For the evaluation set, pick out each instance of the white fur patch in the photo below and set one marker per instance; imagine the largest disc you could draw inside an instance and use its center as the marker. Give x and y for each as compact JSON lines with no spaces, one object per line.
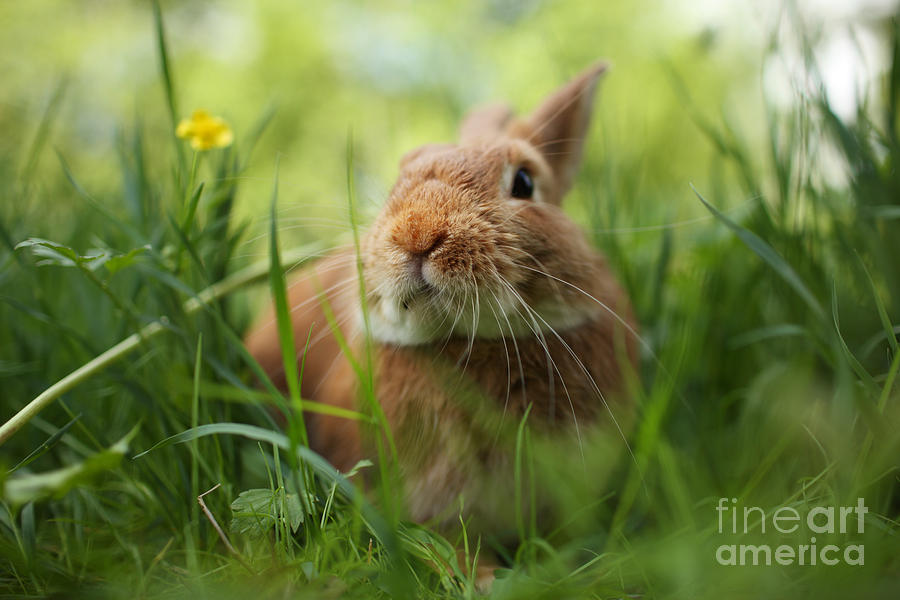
{"x":391,"y":324}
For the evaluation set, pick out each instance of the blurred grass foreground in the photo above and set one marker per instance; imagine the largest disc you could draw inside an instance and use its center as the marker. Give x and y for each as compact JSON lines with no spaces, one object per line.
{"x":741,"y":176}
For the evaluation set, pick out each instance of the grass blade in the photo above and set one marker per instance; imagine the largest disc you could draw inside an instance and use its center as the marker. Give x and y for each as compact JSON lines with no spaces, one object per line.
{"x":51,"y":441}
{"x":283,"y":317}
{"x":769,"y":255}
{"x":857,"y":367}
{"x":165,"y":69}
{"x":222,"y":288}
{"x":882,"y":311}
{"x":33,"y":154}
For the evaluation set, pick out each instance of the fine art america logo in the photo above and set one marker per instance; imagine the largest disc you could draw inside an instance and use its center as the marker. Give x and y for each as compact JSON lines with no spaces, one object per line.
{"x":820,"y":520}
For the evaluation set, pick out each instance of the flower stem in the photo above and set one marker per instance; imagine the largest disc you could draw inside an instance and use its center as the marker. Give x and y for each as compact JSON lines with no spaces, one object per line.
{"x":189,"y":207}
{"x":190,"y":198}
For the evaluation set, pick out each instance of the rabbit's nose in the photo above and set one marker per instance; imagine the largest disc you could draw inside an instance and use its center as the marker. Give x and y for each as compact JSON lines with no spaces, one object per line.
{"x":418,"y":237}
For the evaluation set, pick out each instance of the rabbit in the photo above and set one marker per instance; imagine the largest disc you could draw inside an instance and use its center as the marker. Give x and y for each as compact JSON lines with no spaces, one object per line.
{"x":483,"y":300}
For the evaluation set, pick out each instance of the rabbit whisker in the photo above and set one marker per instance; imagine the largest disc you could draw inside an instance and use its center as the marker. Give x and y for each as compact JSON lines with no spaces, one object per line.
{"x":535,"y":328}
{"x":535,"y":315}
{"x":594,"y":386}
{"x":604,"y":306}
{"x":508,"y":364}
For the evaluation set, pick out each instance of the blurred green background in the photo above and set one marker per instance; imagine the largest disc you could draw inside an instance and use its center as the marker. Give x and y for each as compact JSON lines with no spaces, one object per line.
{"x":396,"y":74}
{"x":770,"y":329}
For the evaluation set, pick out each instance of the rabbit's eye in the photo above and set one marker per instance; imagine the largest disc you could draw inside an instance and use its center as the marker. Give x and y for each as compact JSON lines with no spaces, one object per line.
{"x":523,"y":185}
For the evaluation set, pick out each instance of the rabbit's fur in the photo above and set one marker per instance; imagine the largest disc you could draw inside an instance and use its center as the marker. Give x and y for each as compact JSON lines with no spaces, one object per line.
{"x":479,"y":305}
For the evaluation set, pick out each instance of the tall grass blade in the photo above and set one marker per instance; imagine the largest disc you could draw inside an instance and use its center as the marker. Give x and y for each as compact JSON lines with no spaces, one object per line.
{"x":33,"y":154}
{"x":283,"y":316}
{"x":51,"y":441}
{"x":882,"y":310}
{"x":164,"y":67}
{"x":769,"y":255}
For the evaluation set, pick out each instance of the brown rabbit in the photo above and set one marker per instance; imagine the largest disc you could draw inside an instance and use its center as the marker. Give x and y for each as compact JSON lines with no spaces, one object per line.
{"x":483,"y":298}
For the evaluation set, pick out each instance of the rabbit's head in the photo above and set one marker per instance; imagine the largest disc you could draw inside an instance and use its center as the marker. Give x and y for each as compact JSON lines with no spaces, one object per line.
{"x":472,"y":241}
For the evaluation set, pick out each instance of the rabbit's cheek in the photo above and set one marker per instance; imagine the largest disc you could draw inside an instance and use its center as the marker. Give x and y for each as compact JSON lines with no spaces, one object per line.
{"x":448,"y":269}
{"x":466,"y":256}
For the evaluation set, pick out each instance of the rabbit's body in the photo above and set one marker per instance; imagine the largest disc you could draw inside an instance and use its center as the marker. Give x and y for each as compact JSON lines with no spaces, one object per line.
{"x":482,"y":299}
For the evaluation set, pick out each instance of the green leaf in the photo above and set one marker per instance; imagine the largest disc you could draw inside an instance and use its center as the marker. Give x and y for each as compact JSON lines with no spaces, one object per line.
{"x":294,"y":510}
{"x":253,"y":512}
{"x":60,"y":255}
{"x":21,"y":489}
{"x":321,"y":467}
{"x":362,"y":464}
{"x":53,"y":253}
{"x":256,"y":511}
{"x":114,"y":264}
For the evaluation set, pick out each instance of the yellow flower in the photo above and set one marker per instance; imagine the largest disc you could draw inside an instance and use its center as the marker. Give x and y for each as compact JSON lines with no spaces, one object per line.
{"x":205,"y":131}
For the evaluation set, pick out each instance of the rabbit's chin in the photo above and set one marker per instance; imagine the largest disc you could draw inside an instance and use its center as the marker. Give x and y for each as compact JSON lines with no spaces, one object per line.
{"x":422,"y":321}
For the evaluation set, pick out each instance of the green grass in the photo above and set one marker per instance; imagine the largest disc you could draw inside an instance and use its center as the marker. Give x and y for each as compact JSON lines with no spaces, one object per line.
{"x":769,"y":376}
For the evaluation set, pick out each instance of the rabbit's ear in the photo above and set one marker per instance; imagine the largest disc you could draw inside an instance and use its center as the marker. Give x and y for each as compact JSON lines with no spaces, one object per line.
{"x":558,"y":126}
{"x":484,"y":123}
